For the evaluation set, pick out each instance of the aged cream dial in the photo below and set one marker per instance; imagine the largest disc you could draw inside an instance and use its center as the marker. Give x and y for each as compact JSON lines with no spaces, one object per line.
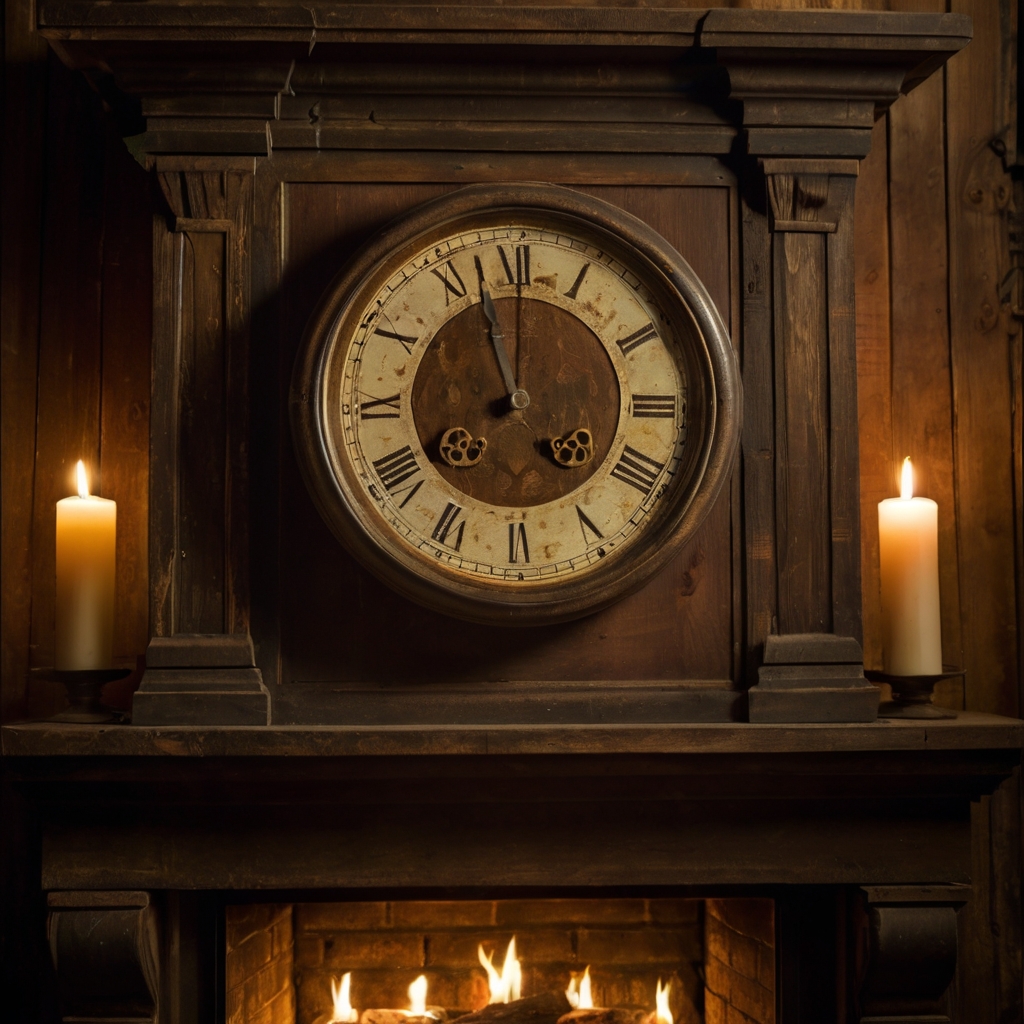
{"x":495,"y":407}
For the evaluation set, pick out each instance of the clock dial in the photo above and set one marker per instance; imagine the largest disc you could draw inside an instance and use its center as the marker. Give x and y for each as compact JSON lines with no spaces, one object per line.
{"x":581,"y":337}
{"x":511,"y":412}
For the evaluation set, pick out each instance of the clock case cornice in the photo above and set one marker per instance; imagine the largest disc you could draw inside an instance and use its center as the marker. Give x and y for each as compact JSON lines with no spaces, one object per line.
{"x":255,"y":79}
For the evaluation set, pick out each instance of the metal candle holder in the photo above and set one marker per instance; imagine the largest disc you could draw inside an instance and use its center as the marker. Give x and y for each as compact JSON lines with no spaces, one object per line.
{"x":84,"y":687}
{"x":912,"y":695}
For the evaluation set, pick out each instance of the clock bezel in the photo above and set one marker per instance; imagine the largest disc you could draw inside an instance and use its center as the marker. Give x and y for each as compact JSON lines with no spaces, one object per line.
{"x":713,"y":393}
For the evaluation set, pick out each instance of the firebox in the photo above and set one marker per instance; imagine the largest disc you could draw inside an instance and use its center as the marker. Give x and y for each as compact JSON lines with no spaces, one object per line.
{"x":619,"y":960}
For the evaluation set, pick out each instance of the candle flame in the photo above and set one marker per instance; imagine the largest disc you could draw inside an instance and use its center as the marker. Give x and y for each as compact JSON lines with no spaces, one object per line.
{"x":343,"y":1012}
{"x":507,"y":986}
{"x":663,"y":1015}
{"x":907,"y":480}
{"x":83,"y":480}
{"x":580,"y":997}
{"x":418,"y":997}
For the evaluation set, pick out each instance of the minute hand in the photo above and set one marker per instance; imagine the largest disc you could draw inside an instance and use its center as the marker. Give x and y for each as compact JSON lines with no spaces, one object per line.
{"x":518,"y":398}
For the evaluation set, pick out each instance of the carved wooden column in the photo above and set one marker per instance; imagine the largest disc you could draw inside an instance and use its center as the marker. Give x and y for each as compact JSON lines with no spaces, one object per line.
{"x":809,"y":101}
{"x":104,"y":948}
{"x":200,"y":663}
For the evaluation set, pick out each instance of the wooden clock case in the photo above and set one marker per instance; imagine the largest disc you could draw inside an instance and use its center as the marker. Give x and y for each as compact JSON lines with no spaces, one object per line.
{"x":281,"y":147}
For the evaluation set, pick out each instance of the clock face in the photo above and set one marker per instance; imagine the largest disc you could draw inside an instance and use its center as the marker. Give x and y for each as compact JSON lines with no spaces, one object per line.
{"x":509,"y":413}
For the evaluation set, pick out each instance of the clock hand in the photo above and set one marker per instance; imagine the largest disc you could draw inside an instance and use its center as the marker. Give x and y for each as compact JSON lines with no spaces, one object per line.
{"x":518,"y":398}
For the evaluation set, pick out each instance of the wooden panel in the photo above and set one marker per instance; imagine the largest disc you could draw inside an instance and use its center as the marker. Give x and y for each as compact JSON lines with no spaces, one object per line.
{"x":338,"y":623}
{"x":922,"y":415}
{"x":844,"y":510}
{"x":758,"y":436}
{"x":801,"y":438}
{"x":979,"y":112}
{"x":201,"y":523}
{"x":874,"y":375}
{"x":124,"y":411}
{"x":70,"y":337}
{"x":21,"y":213}
{"x":979,"y":191}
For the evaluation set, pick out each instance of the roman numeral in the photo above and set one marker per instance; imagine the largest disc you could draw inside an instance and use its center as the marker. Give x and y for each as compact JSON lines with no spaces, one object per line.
{"x":637,"y":338}
{"x":445,"y":524}
{"x":405,"y":340}
{"x":517,"y":543}
{"x":396,"y":467}
{"x":571,"y":293}
{"x":456,"y":287}
{"x":637,"y":470}
{"x":522,"y":257}
{"x":386,"y":409}
{"x":586,"y":524}
{"x":654,"y":406}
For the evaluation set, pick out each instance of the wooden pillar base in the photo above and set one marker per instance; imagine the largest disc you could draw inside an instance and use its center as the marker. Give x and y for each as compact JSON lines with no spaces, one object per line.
{"x":201,"y":679}
{"x":812,"y":677}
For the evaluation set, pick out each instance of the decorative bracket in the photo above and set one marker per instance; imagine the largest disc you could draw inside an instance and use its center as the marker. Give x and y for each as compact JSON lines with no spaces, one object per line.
{"x":104,"y":947}
{"x":906,"y":952}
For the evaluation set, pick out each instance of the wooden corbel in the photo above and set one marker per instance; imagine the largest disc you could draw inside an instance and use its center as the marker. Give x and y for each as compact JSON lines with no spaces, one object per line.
{"x":104,"y":947}
{"x":905,"y":950}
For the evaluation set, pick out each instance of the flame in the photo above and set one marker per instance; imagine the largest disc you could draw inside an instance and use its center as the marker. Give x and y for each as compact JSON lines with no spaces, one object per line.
{"x":907,"y":479}
{"x":418,"y":997}
{"x":580,"y":998}
{"x":507,"y":986}
{"x":662,"y":1014}
{"x":343,"y":1012}
{"x":83,"y":480}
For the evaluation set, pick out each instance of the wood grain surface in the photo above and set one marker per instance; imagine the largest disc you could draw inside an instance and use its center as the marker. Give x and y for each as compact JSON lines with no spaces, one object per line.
{"x":678,"y":627}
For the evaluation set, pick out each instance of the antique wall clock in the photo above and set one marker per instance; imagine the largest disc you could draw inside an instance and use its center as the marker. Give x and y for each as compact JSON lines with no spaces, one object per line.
{"x":515,"y":404}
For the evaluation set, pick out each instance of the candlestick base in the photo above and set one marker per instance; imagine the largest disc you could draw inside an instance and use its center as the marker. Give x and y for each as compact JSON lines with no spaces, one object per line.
{"x":912,"y":695}
{"x":84,"y":687}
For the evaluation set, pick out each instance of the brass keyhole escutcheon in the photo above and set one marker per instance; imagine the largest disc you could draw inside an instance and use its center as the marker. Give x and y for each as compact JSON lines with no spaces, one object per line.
{"x":575,"y":450}
{"x":459,"y":449}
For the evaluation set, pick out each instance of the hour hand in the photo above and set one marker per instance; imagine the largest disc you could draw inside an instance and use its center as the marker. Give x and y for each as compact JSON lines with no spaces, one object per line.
{"x":518,"y":398}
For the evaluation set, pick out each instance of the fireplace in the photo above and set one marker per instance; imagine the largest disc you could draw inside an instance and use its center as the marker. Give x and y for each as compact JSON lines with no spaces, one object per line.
{"x":286,"y":963}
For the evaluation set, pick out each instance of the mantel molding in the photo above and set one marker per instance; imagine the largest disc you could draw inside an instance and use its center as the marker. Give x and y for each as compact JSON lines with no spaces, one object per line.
{"x":249,"y":79}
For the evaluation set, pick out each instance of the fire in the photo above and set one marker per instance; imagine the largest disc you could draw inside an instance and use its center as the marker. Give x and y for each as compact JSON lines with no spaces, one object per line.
{"x":662,"y":1014}
{"x":507,"y":986}
{"x":418,"y":997}
{"x":907,"y":479}
{"x":83,"y":480}
{"x":343,"y":1012}
{"x":580,"y":998}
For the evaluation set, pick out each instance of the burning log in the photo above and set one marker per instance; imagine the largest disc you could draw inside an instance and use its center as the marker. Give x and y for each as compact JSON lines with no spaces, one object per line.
{"x":433,"y":1015}
{"x":545,"y":1009}
{"x":605,"y":1016}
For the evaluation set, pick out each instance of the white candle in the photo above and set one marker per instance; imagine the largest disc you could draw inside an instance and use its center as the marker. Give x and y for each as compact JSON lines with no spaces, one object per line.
{"x":86,"y":535}
{"x":908,"y":541}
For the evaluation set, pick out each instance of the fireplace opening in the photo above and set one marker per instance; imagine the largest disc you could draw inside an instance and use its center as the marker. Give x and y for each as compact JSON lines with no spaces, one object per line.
{"x":506,"y":961}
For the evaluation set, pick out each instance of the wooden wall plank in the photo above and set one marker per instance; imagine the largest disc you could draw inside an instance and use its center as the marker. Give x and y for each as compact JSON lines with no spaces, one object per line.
{"x":981,"y":88}
{"x":21,"y":199}
{"x":70,"y":339}
{"x":978,"y":194}
{"x":922,"y":413}
{"x":124,"y":407}
{"x":874,"y":374}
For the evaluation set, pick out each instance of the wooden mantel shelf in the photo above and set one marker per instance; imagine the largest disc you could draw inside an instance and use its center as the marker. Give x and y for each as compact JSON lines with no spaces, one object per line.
{"x":970,"y":731}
